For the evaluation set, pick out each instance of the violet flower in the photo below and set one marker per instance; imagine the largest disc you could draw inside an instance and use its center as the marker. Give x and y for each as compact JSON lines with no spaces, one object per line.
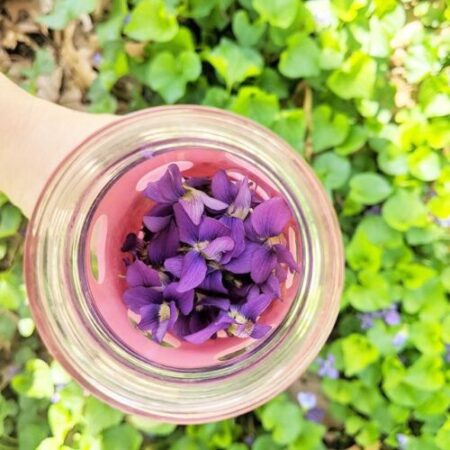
{"x":206,"y":242}
{"x":327,"y":368}
{"x":210,"y":258}
{"x":266,"y":249}
{"x":239,"y":321}
{"x":172,"y":189}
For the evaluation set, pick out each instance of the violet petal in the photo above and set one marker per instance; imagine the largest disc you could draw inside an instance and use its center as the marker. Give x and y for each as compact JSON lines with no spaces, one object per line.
{"x":220,"y":303}
{"x":137,"y":297}
{"x":168,"y":189}
{"x":164,"y":244}
{"x":149,"y":317}
{"x":222,"y":188}
{"x":188,"y":231}
{"x":243,"y":263}
{"x":260,"y":331}
{"x":184,"y":300}
{"x":264,"y":260}
{"x":212,"y":203}
{"x":206,"y":333}
{"x":158,"y":218}
{"x":211,"y":229}
{"x":139,"y":274}
{"x":193,"y":205}
{"x":193,"y":272}
{"x":241,"y":205}
{"x":174,"y":265}
{"x":217,"y":247}
{"x":255,"y":307}
{"x":285,"y":256}
{"x":270,"y":217}
{"x":213,"y":282}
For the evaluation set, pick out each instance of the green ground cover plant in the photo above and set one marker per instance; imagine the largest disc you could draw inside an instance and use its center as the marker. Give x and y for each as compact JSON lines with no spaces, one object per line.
{"x":361,"y":90}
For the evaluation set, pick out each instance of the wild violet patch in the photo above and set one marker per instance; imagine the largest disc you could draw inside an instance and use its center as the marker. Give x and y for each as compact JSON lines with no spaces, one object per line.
{"x":211,"y":257}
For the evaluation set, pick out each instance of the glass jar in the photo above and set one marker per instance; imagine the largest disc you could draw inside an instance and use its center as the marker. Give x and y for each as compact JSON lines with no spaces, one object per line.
{"x":74,"y":268}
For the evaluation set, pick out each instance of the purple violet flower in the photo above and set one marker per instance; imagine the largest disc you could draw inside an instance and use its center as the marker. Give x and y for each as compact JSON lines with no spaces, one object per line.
{"x":402,"y":440}
{"x":327,"y":368}
{"x":399,"y":339}
{"x":307,"y":400}
{"x":211,"y":257}
{"x":315,"y":415}
{"x":172,"y":189}
{"x":391,"y":316}
{"x":206,"y":242}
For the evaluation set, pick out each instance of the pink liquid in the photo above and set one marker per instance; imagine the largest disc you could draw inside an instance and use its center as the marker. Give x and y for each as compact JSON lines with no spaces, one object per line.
{"x":119,"y":212}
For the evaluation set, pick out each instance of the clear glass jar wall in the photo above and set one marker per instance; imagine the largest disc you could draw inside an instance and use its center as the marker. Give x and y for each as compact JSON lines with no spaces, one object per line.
{"x":73,"y":267}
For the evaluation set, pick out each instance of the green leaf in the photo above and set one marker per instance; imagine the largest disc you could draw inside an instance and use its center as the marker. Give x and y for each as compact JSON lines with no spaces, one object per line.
{"x":310,"y":438}
{"x":61,"y":421}
{"x":427,"y":337}
{"x":283,"y":419}
{"x":256,"y":104}
{"x":424,"y":164}
{"x":347,"y":10}
{"x":280,"y":13}
{"x":362,"y":254}
{"x":234,"y":63}
{"x":114,"y":64}
{"x":247,"y":33}
{"x":98,"y":416}
{"x":35,"y":381}
{"x":358,"y":353}
{"x":355,"y":140}
{"x":356,"y":77}
{"x":152,"y":20}
{"x":217,"y":435}
{"x":11,"y":296}
{"x":201,"y":8}
{"x":169,"y":75}
{"x":217,"y":97}
{"x":301,"y":58}
{"x":66,"y":10}
{"x":332,"y":169}
{"x":404,"y":210}
{"x":110,"y":29}
{"x":439,"y":206}
{"x":10,"y":220}
{"x":379,"y":232}
{"x":151,"y":427}
{"x":369,"y":188}
{"x":434,"y":96}
{"x":265,"y":442}
{"x":443,"y":436}
{"x":291,"y":126}
{"x":329,"y":129}
{"x":426,"y":373}
{"x":122,"y":437}
{"x":373,"y":295}
{"x":271,"y":81}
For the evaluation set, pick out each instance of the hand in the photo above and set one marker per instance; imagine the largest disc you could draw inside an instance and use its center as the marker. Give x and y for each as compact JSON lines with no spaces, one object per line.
{"x":35,"y":136}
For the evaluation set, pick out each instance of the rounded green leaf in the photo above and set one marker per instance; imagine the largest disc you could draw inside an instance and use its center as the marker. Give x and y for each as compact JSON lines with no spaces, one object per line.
{"x":234,"y":63}
{"x":424,"y":164}
{"x":301,"y":58}
{"x":169,"y":75}
{"x":369,"y":188}
{"x":247,"y":33}
{"x":332,"y":169}
{"x":358,"y":353}
{"x":404,"y":210}
{"x":256,"y":104}
{"x":279,"y":13}
{"x":329,"y":128}
{"x":356,"y":77}
{"x":152,"y":20}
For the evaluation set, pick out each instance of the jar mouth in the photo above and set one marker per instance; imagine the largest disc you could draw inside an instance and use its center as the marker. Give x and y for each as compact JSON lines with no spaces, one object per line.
{"x":55,"y":259}
{"x":102,"y":271}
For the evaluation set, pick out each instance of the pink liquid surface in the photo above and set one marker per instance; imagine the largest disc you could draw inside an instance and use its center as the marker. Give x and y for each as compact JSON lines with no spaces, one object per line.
{"x":119,"y":212}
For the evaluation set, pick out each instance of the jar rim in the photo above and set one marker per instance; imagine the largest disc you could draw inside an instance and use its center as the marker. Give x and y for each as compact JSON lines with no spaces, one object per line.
{"x":40,"y":255}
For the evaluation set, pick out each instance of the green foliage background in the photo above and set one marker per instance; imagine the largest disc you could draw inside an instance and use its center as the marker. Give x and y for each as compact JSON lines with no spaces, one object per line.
{"x":359,"y":88}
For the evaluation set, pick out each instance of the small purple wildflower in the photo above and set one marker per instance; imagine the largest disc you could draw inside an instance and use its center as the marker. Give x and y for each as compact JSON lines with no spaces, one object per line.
{"x":447,"y":353}
{"x":127,"y":19}
{"x":97,"y":58}
{"x":392,"y":316}
{"x":307,"y":400}
{"x":55,"y":398}
{"x":327,"y":368}
{"x":210,"y":258}
{"x":399,"y":339}
{"x":315,"y":415}
{"x":402,"y":440}
{"x":366,"y":320}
